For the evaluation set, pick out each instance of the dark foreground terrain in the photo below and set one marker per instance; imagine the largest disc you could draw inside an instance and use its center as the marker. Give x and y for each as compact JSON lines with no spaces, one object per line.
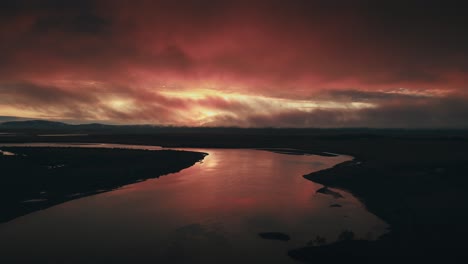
{"x":37,"y":178}
{"x":419,"y":189}
{"x":416,"y":181}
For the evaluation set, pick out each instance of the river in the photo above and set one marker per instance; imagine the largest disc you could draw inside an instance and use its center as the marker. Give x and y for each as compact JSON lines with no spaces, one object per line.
{"x":211,"y":212}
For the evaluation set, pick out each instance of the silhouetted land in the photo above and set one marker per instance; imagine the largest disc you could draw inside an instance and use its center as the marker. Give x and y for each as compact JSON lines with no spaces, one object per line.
{"x":415,"y":180}
{"x":419,"y":188}
{"x":37,"y":178}
{"x":275,"y":236}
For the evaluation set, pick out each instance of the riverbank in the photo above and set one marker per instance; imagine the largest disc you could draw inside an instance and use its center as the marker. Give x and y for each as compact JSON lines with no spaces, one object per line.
{"x":36,"y":178}
{"x":414,"y":180}
{"x":420,"y":192}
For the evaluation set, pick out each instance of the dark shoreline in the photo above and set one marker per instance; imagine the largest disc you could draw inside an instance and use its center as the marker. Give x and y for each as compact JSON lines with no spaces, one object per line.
{"x":39,"y":177}
{"x":413,"y":180}
{"x":427,"y":211}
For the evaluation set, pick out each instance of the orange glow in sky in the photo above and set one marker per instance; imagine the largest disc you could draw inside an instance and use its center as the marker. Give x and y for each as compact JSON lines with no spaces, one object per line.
{"x":235,"y":63}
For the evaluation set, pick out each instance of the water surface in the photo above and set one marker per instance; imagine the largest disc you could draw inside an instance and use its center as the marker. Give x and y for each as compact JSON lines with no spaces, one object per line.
{"x":211,"y":212}
{"x":6,"y":153}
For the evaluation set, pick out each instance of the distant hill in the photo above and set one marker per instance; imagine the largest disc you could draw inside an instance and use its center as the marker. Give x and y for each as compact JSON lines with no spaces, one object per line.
{"x":55,"y":126}
{"x":41,"y":124}
{"x":41,"y":127}
{"x":12,"y":118}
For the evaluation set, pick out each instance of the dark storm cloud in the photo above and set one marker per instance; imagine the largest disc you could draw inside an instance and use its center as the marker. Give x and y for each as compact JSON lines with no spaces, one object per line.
{"x":277,"y":49}
{"x":438,"y":113}
{"x":29,"y":93}
{"x":391,"y":110}
{"x":374,"y":41}
{"x":429,"y":113}
{"x":81,"y":23}
{"x":15,"y":7}
{"x":373,"y":96}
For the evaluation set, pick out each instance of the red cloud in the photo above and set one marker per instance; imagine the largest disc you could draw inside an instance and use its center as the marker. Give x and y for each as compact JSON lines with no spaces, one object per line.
{"x":88,"y":52}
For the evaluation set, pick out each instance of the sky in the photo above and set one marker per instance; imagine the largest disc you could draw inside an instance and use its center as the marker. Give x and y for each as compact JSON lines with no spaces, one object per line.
{"x":256,"y":63}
